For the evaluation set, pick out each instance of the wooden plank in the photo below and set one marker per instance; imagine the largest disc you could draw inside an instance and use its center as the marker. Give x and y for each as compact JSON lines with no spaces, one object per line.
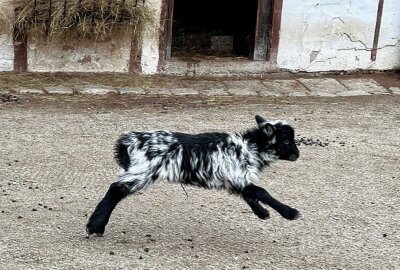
{"x":168,"y":29}
{"x":262,"y":30}
{"x":377,"y":30}
{"x":20,"y":43}
{"x":162,"y":36}
{"x":275,"y":33}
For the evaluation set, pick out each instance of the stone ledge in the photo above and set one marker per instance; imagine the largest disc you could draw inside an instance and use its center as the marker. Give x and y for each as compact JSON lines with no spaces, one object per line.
{"x":61,"y":90}
{"x":95,"y":90}
{"x":29,"y":91}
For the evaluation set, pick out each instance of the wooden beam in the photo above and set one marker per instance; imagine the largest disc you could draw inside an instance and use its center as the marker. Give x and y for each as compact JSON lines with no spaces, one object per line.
{"x":20,"y":43}
{"x":262,"y":30}
{"x":276,"y":28}
{"x":377,"y":30}
{"x":168,"y":29}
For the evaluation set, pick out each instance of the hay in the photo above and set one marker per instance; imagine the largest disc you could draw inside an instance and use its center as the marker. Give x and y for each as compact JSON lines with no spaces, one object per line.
{"x":81,"y":18}
{"x":5,"y":19}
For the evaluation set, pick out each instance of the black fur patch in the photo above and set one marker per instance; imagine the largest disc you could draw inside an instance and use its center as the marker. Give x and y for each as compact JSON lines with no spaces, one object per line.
{"x":121,"y":154}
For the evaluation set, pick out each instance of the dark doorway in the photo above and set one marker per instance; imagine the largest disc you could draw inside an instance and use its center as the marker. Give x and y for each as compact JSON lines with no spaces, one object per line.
{"x":213,"y":29}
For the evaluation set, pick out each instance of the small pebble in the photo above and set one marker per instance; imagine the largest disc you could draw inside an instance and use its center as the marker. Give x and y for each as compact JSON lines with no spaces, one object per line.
{"x":384,"y":235}
{"x":40,"y":204}
{"x":148,"y":235}
{"x":2,"y":211}
{"x":112,"y":253}
{"x":146,"y":249}
{"x":140,"y":257}
{"x":34,"y":209}
{"x":62,"y":197}
{"x":19,"y":216}
{"x":50,"y":208}
{"x":45,"y":206}
{"x":13,"y":200}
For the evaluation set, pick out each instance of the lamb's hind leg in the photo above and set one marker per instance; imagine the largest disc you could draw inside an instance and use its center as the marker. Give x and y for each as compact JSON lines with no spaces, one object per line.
{"x":117,"y":191}
{"x":258,"y":193}
{"x":257,"y":209}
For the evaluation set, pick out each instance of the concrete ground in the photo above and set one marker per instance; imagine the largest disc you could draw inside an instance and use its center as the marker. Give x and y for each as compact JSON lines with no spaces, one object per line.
{"x":56,"y":163}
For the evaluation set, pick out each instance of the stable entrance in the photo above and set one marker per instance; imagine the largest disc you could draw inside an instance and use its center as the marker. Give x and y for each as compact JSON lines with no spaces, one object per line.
{"x":212,"y":29}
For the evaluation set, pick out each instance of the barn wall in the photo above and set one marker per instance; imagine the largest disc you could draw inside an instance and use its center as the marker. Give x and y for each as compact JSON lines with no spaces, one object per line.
{"x":150,"y":45}
{"x":111,"y":55}
{"x":6,"y":43}
{"x":327,"y":35}
{"x":315,"y":35}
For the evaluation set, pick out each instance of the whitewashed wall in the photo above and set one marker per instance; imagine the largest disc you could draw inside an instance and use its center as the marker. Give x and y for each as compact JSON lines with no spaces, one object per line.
{"x":316,"y":35}
{"x":88,"y":56}
{"x":326,"y":35}
{"x":6,"y":43}
{"x":150,"y":45}
{"x":71,"y":55}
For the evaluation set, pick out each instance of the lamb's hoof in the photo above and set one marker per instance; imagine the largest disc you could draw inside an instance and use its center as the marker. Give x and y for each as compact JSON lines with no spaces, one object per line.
{"x":291,"y":214}
{"x":92,"y":228}
{"x":264,"y":215}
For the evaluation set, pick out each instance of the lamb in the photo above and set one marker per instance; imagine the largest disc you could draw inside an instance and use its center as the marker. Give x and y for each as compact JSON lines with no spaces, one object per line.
{"x":222,"y":161}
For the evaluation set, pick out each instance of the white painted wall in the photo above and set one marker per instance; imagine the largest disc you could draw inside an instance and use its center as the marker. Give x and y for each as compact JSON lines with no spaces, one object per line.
{"x":6,"y":42}
{"x":150,"y":44}
{"x":326,"y":35}
{"x":72,"y":55}
{"x":316,"y":35}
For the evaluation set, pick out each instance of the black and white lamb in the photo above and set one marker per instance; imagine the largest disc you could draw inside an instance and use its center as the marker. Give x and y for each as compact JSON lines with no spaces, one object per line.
{"x":229,"y":161}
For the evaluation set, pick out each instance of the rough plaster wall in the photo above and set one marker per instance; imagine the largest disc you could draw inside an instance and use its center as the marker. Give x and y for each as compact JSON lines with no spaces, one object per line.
{"x":389,"y":38}
{"x":72,"y":55}
{"x":324,"y":35}
{"x":150,"y":44}
{"x":6,"y":43}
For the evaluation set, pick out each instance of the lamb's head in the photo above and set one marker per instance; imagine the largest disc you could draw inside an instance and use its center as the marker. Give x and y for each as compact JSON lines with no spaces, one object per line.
{"x":280,"y":137}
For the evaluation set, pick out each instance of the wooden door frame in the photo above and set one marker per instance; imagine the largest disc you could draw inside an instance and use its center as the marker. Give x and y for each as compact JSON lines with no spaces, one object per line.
{"x":266,"y":34}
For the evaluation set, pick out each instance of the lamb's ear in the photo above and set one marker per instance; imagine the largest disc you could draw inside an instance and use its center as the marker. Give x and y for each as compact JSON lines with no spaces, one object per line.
{"x":260,"y":121}
{"x":269,"y":130}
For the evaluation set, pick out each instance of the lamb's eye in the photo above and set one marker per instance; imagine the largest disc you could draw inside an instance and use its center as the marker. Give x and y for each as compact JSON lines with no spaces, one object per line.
{"x":286,"y":142}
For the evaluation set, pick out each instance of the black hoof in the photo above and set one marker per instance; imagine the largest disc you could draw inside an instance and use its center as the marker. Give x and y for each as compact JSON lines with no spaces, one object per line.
{"x":263,"y":215}
{"x":92,"y":228}
{"x":291,"y":214}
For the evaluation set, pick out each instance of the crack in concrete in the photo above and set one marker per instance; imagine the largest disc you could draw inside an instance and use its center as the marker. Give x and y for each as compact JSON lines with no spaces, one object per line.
{"x":366,"y":48}
{"x":355,"y":41}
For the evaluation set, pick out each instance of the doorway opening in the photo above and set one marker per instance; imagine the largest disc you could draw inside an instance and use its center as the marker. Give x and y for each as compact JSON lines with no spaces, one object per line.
{"x":218,"y":29}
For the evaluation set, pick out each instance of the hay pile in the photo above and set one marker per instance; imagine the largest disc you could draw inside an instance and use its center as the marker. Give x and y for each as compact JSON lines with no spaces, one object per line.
{"x":80,"y":18}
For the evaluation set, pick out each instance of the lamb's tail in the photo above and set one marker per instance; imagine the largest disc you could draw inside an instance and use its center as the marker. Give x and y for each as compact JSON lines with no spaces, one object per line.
{"x":121,"y":153}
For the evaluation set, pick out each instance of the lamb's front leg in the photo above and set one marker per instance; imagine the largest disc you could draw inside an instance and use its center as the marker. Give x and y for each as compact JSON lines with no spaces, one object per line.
{"x":258,"y":193}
